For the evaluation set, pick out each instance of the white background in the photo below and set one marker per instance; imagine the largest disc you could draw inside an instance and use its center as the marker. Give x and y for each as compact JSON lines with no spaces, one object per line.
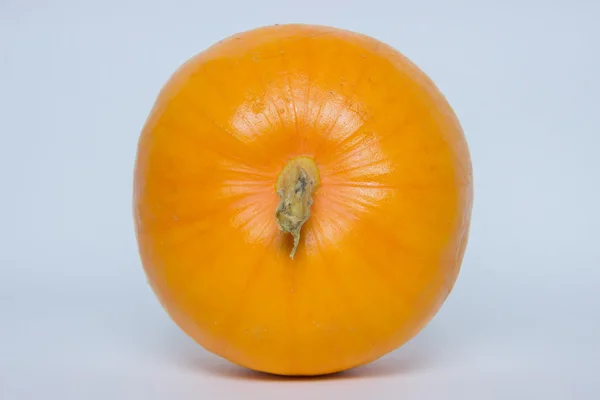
{"x":77,"y":80}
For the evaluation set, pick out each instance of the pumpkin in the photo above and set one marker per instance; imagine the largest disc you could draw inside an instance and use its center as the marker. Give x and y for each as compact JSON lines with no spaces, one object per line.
{"x":302,"y":199}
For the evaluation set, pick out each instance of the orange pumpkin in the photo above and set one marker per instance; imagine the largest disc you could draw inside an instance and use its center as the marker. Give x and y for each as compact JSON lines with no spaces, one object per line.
{"x":302,"y":199}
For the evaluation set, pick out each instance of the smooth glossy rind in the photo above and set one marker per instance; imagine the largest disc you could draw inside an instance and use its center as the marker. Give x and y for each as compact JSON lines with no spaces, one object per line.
{"x":388,"y":226}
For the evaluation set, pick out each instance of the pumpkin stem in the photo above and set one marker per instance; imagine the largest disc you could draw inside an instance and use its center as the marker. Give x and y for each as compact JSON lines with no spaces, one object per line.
{"x":295,"y":186}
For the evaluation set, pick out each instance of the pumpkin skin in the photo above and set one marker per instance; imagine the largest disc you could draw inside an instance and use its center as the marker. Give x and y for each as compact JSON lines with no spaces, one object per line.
{"x":389,"y":219}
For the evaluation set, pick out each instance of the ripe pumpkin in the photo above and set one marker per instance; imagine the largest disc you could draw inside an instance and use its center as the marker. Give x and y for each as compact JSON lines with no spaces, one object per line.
{"x":302,"y":199}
